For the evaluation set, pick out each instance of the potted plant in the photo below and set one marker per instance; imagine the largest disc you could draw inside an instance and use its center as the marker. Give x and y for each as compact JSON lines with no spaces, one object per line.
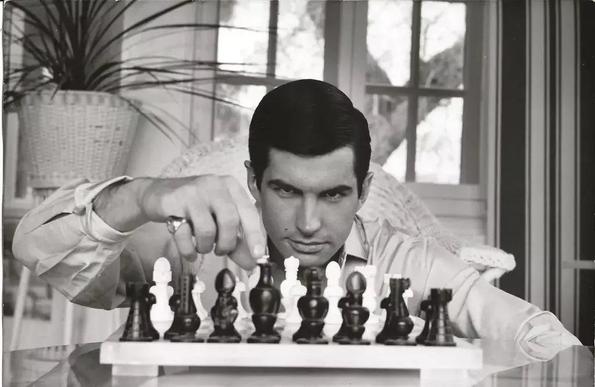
{"x":68,"y":89}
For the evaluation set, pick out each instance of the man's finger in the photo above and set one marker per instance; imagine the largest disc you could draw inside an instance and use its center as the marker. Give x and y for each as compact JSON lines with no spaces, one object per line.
{"x":184,"y":243}
{"x":205,"y":230}
{"x":228,"y":224}
{"x":251,"y":222}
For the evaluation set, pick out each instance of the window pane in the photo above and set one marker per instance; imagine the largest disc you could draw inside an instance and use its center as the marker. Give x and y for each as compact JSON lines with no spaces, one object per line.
{"x":300,"y":39}
{"x":231,"y":120}
{"x":442,"y":39}
{"x":389,"y":42}
{"x":438,"y":140}
{"x":387,"y":119}
{"x":241,"y":46}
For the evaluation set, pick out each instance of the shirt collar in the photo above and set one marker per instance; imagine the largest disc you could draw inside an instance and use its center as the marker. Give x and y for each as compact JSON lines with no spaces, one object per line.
{"x":356,"y":245}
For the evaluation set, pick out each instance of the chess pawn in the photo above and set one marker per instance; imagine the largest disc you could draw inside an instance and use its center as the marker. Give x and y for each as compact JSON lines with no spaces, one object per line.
{"x":370,"y":299}
{"x":313,"y":308}
{"x":225,"y":310}
{"x":298,"y":290}
{"x":354,"y":313}
{"x":161,"y":313}
{"x":333,"y":294}
{"x":398,"y":324}
{"x":265,"y":302}
{"x":237,"y":294}
{"x":291,"y":269}
{"x":186,"y":321}
{"x":440,"y":330}
{"x":138,"y":325}
{"x":198,"y":289}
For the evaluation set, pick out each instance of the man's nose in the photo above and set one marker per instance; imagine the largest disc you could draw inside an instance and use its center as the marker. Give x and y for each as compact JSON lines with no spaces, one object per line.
{"x":308,"y":218}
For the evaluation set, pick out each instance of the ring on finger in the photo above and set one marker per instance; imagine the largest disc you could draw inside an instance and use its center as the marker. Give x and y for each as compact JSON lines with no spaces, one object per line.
{"x":173,"y":223}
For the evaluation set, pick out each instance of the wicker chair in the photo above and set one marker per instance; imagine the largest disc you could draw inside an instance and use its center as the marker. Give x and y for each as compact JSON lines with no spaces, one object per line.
{"x":388,"y":200}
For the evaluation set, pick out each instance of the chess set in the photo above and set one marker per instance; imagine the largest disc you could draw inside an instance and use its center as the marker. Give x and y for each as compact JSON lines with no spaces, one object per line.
{"x":317,"y":329}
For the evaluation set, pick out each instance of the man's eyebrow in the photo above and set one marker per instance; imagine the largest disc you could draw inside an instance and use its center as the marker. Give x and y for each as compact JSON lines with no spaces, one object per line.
{"x":340,"y":189}
{"x":282,"y":184}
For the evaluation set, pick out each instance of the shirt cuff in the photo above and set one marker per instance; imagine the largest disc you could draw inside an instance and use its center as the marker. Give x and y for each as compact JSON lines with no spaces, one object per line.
{"x":93,"y":225}
{"x":541,"y":336}
{"x":86,"y":193}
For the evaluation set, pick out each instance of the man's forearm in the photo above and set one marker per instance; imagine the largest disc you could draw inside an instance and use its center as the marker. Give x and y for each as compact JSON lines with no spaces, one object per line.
{"x":119,"y":204}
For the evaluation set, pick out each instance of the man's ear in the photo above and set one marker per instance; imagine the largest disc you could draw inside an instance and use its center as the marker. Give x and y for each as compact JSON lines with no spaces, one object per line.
{"x":251,"y":181}
{"x":365,"y":189}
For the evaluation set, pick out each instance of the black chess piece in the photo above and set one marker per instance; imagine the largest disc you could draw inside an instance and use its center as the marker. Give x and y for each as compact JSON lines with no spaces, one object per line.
{"x":398,"y":324}
{"x":138,"y":324}
{"x":426,"y":308}
{"x":343,"y":302}
{"x":437,"y":330}
{"x":440,"y":331}
{"x":354,"y":313}
{"x":313,"y":308}
{"x":265,"y":301}
{"x":186,"y":321}
{"x":225,"y":310}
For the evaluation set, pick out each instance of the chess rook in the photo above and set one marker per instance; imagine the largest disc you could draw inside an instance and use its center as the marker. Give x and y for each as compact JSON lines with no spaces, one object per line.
{"x":398,"y":324}
{"x":265,"y":302}
{"x":313,"y":308}
{"x":438,"y":330}
{"x":225,"y":310}
{"x":138,"y":324}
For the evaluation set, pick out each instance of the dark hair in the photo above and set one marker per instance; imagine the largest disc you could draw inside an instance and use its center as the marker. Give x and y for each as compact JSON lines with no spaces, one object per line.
{"x":308,"y":118}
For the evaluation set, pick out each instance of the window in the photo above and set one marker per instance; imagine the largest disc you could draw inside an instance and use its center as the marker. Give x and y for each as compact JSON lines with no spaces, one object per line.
{"x":420,"y":89}
{"x":285,"y":41}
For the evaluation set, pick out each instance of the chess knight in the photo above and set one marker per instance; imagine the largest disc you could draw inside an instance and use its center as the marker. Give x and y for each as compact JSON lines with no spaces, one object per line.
{"x":309,"y":174}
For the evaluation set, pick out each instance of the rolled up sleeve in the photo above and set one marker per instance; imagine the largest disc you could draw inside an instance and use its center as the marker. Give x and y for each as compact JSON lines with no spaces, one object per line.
{"x":64,"y":242}
{"x":477,"y":309}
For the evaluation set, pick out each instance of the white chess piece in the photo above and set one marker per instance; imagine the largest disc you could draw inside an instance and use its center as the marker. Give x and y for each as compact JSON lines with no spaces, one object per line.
{"x":237,"y":293}
{"x":298,"y":290}
{"x":291,"y":270}
{"x":370,"y":301}
{"x":161,"y":314}
{"x":333,"y":293}
{"x":199,"y":288}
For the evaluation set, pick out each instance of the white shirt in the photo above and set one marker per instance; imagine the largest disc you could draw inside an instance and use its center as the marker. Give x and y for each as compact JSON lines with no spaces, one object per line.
{"x":64,"y":242}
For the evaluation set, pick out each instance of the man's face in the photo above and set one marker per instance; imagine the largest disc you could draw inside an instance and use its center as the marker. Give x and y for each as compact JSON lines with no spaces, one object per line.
{"x":308,"y":203}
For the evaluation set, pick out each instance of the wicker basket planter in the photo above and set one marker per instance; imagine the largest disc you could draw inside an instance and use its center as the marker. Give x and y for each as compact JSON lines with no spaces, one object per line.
{"x":75,"y":134}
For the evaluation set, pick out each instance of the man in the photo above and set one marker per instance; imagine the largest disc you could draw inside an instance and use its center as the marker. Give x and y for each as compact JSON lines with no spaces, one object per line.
{"x":309,"y":174}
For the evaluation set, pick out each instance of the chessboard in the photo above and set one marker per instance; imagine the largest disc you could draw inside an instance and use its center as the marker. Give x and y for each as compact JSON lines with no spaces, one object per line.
{"x":145,"y":358}
{"x":304,"y":336}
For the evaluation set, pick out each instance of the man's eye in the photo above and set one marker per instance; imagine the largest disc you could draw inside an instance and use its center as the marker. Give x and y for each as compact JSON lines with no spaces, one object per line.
{"x":284,"y":191}
{"x":334,"y":196}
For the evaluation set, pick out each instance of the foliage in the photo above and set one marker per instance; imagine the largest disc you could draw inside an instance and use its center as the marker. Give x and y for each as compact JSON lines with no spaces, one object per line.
{"x":69,"y":45}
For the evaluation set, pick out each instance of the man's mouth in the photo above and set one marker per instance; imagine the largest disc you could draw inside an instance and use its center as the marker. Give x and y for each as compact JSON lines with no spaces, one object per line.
{"x":306,"y":247}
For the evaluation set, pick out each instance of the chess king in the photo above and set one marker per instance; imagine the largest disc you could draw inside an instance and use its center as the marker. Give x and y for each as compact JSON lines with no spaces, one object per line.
{"x":309,"y":174}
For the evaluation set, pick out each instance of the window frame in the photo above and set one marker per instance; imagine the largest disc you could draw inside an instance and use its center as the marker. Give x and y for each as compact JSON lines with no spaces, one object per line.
{"x":469,"y":170}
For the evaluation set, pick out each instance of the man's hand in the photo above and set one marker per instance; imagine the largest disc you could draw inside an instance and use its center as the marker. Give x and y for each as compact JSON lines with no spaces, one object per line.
{"x":221,"y":212}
